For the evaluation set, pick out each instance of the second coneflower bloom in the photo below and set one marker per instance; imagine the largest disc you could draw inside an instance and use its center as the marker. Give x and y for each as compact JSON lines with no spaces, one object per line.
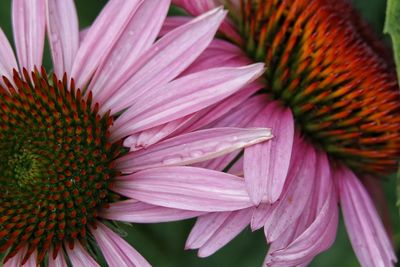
{"x":81,"y":141}
{"x":330,"y":95}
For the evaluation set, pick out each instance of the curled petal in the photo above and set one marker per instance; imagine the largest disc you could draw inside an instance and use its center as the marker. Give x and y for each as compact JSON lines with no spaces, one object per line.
{"x":185,"y":188}
{"x":151,"y":136}
{"x":192,"y":147}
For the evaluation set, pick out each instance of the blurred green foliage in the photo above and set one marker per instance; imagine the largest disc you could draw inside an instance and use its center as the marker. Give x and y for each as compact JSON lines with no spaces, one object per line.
{"x":163,"y":244}
{"x":392,"y":27}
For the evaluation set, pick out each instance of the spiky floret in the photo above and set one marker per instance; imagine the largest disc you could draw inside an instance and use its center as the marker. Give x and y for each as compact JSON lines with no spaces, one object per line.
{"x":324,"y":64}
{"x":56,"y":164}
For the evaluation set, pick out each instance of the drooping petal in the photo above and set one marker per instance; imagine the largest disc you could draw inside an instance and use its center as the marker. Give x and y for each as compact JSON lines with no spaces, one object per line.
{"x":101,"y":36}
{"x":234,"y":224}
{"x":367,"y":234}
{"x":293,"y":201}
{"x":63,"y":34}
{"x":138,"y":36}
{"x":79,"y":256}
{"x":192,"y":147}
{"x":184,"y":96}
{"x":59,"y":261}
{"x":165,"y":60}
{"x":116,"y":250}
{"x":266,"y":165}
{"x":186,"y":188}
{"x":262,"y":212}
{"x":8,"y":61}
{"x":29,"y":20}
{"x":138,"y":212}
{"x":204,"y":228}
{"x":319,"y":236}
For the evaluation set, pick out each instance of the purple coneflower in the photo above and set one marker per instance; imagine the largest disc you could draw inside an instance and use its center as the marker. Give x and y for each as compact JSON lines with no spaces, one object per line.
{"x":330,"y":95}
{"x":80,"y":142}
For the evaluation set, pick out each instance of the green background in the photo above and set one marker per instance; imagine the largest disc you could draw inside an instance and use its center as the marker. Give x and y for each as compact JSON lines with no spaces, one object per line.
{"x":163,"y":244}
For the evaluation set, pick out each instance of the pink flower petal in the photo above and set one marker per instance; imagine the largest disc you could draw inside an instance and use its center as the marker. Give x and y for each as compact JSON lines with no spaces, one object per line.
{"x":221,"y":109}
{"x":165,"y":60}
{"x":83,"y":33}
{"x":367,"y":234}
{"x":17,"y":259}
{"x":260,"y":216}
{"x":204,"y":228}
{"x":63,"y":34}
{"x":316,"y":238}
{"x":151,"y":136}
{"x":293,"y":200}
{"x":218,"y":54}
{"x":234,"y":224}
{"x":101,"y":36}
{"x":7,"y":62}
{"x":29,"y":21}
{"x":263,"y":211}
{"x":241,"y":116}
{"x":185,"y":188}
{"x":59,"y":261}
{"x":183,"y":97}
{"x":116,"y":250}
{"x":172,"y":23}
{"x":79,"y":256}
{"x":196,"y":7}
{"x":315,"y":230}
{"x":190,"y":122}
{"x":138,"y":212}
{"x":266,"y":164}
{"x":31,"y":262}
{"x":192,"y":147}
{"x":137,"y":37}
{"x":200,"y":6}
